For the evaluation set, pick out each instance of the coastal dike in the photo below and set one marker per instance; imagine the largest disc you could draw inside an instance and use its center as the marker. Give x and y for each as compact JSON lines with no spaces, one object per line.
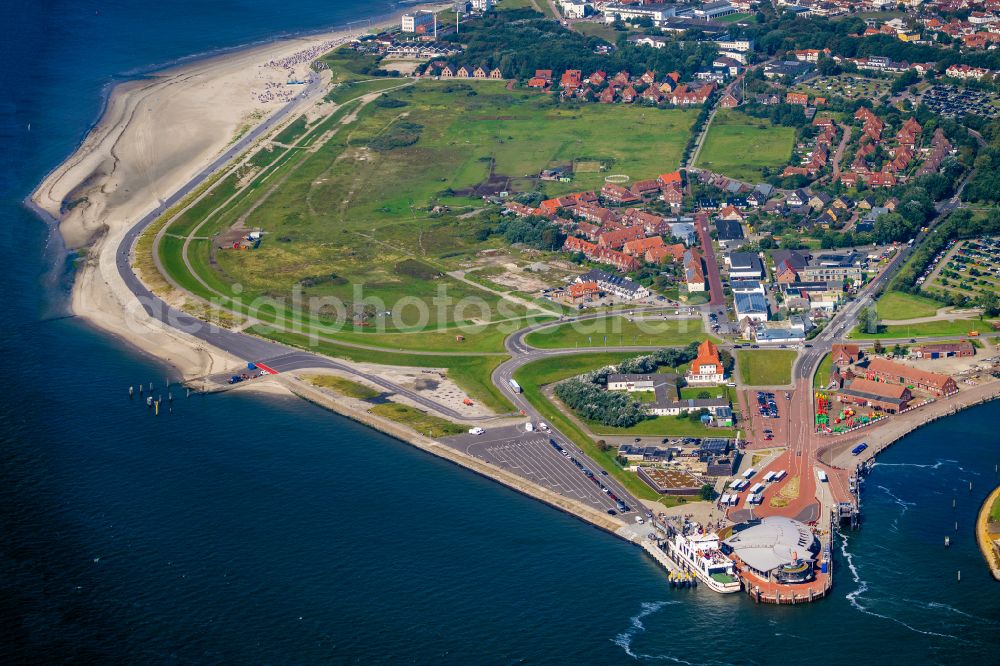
{"x":988,"y":536}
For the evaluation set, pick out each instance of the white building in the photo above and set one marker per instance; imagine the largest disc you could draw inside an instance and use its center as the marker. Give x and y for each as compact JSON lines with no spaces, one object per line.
{"x":615,"y":11}
{"x":412,"y":22}
{"x":739,"y":45}
{"x":482,"y":5}
{"x":714,"y":10}
{"x":574,"y":9}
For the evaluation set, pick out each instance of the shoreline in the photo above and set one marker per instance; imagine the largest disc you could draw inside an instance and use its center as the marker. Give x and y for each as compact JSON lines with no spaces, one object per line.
{"x":990,"y":552}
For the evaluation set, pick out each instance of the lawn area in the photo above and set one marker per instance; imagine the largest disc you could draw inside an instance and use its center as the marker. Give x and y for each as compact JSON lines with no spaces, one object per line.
{"x":822,"y":376}
{"x":349,"y":225}
{"x":926,"y":329}
{"x":765,"y":367}
{"x":602,"y":30}
{"x":739,"y":145}
{"x":995,"y":511}
{"x":343,"y":386}
{"x":900,"y":305}
{"x":471,"y":373}
{"x":422,"y":422}
{"x":619,"y":331}
{"x":663,"y":426}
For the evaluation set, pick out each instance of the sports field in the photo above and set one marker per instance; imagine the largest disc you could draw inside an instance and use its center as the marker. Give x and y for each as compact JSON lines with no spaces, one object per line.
{"x":739,"y":146}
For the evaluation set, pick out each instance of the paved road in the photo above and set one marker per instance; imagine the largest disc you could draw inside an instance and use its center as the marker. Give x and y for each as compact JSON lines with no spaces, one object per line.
{"x":520,"y":453}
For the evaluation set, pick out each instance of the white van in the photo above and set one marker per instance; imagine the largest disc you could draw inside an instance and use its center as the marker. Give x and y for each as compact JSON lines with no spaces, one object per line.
{"x":529,"y":426}
{"x":822,"y":475}
{"x":476,"y":431}
{"x":639,"y":520}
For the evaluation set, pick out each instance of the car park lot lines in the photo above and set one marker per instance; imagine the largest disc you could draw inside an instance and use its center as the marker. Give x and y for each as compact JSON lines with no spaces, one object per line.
{"x":532,"y":456}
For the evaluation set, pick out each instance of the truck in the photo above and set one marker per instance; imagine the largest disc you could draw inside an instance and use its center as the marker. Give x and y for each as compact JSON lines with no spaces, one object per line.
{"x":822,"y":475}
{"x":514,"y":385}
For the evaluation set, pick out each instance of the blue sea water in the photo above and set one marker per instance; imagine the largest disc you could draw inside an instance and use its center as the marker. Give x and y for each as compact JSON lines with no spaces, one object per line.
{"x":244,"y":529}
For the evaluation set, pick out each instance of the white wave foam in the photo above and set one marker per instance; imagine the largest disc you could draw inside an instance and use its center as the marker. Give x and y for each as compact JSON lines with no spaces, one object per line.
{"x":854,"y":596}
{"x":624,"y":639}
{"x":902,"y":503}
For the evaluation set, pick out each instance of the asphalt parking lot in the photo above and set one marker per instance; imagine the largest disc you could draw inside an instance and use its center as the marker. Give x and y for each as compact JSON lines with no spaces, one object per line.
{"x":532,"y":456}
{"x":953,"y":101}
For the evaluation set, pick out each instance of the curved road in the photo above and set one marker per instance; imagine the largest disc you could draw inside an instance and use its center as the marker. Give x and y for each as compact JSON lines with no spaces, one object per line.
{"x":282,"y":358}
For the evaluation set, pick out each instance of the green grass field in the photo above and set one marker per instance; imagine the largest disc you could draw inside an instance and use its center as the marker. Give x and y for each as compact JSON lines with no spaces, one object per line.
{"x":900,"y":305}
{"x":995,"y":511}
{"x":343,"y":386}
{"x":602,"y":30}
{"x":618,"y":332}
{"x":662,"y":426}
{"x":926,"y":329}
{"x":822,"y":375}
{"x":422,"y":422}
{"x":739,"y":145}
{"x":349,"y":227}
{"x":765,"y":367}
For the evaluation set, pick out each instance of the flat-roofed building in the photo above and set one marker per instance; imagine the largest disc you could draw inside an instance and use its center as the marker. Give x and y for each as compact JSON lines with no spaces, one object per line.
{"x":750,"y":305}
{"x":417,"y":21}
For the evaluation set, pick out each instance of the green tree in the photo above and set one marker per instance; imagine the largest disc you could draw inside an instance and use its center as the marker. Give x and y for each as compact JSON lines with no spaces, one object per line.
{"x":989,"y":302}
{"x":868,"y":320}
{"x":707,"y":492}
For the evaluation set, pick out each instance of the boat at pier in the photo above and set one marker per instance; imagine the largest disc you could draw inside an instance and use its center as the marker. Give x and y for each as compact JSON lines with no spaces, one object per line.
{"x":696,"y":550}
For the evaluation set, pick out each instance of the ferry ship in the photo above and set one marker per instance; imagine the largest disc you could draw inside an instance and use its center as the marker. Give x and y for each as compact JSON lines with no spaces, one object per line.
{"x":696,"y":550}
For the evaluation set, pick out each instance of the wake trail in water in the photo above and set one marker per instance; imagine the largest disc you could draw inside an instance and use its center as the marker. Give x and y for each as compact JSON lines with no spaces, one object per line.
{"x":902,"y":503}
{"x":624,"y":639}
{"x":936,"y":465}
{"x":854,"y":596}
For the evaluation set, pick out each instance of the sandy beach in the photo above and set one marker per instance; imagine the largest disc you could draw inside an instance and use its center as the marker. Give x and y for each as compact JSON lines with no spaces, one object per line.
{"x":155,"y":136}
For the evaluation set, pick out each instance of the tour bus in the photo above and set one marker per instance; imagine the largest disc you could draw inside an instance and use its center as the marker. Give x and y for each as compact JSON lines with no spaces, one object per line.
{"x":755,"y":499}
{"x":750,"y":472}
{"x":822,"y":475}
{"x":780,"y":475}
{"x":756,"y":488}
{"x":769,"y":477}
{"x":740,"y":485}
